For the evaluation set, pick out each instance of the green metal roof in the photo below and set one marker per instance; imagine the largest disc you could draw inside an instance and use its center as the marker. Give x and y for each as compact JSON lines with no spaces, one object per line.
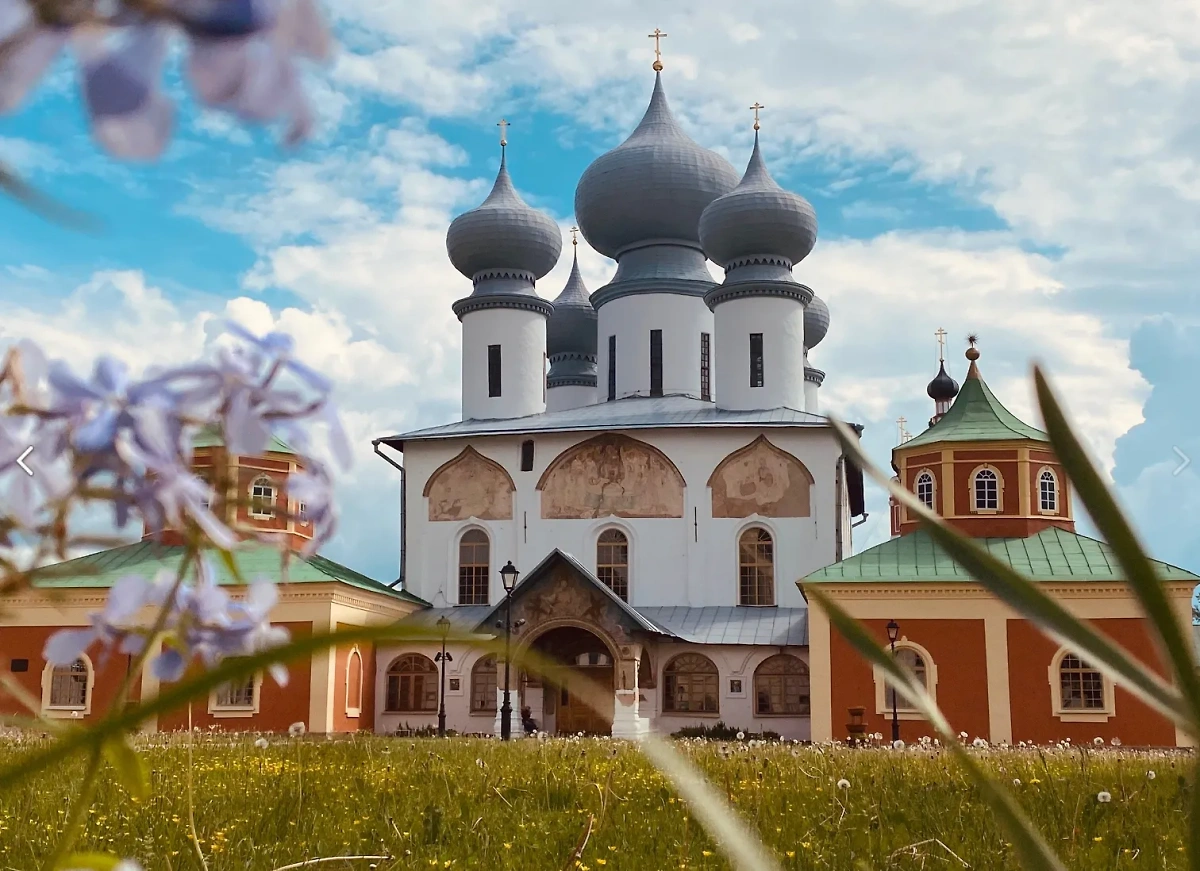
{"x":1051,"y":555}
{"x":254,"y":560}
{"x":977,"y":416}
{"x":210,"y":437}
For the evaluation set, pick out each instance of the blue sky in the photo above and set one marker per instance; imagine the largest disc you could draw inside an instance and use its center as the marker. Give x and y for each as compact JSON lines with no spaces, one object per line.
{"x":1025,"y":172}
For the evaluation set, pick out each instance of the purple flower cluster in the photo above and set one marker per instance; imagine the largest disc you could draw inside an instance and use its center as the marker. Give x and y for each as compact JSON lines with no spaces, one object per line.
{"x":241,"y":59}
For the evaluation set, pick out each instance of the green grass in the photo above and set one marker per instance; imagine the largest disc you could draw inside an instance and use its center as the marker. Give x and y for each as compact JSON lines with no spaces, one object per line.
{"x":465,"y":803}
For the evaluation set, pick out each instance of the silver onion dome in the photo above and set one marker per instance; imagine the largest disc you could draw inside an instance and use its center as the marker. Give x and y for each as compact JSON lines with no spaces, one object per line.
{"x":816,"y":322}
{"x":504,"y":234}
{"x":758,"y":218}
{"x":652,"y":187}
{"x":571,"y":333}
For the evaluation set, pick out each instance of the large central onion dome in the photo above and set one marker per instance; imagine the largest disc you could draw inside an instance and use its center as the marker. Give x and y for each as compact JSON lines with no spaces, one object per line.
{"x":652,"y":187}
{"x":758,"y":218}
{"x":503,"y":235}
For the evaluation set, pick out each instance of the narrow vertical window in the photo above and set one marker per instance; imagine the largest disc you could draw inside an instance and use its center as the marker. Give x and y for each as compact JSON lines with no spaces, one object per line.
{"x":612,"y":368}
{"x":705,"y":371}
{"x":473,"y":561}
{"x":527,"y":455}
{"x":612,"y":561}
{"x":493,"y":370}
{"x":656,"y":381}
{"x":756,"y":359}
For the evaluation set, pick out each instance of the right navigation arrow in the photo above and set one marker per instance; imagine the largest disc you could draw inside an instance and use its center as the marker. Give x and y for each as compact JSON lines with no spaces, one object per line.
{"x":1184,"y":461}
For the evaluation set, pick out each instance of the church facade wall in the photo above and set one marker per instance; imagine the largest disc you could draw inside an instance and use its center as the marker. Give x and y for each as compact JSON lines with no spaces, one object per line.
{"x":779,"y":323}
{"x":521,"y":338}
{"x":630,"y":319}
{"x":682,"y":560}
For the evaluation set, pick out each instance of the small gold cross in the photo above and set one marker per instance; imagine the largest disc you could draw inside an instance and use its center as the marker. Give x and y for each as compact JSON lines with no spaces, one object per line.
{"x":757,"y":105}
{"x":574,"y":230}
{"x":657,"y":36}
{"x":503,"y":125}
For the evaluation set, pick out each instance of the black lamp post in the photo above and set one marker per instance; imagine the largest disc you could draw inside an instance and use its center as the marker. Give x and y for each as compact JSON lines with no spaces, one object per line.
{"x":508,"y":575}
{"x":443,"y":626}
{"x":893,"y":631}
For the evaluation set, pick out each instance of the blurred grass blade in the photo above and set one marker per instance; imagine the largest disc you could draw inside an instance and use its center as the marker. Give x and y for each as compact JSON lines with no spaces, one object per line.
{"x":744,"y":849}
{"x":42,"y":204}
{"x":1024,"y":597}
{"x":90,"y":862}
{"x":130,"y":768}
{"x":1115,"y":529}
{"x":1034,"y":853}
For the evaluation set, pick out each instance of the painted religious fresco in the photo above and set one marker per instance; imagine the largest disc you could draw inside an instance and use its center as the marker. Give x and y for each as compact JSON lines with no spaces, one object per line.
{"x":611,"y":475}
{"x":470,"y":485}
{"x":761,"y":479}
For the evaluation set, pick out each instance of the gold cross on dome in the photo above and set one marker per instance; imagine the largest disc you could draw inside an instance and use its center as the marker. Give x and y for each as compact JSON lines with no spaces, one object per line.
{"x":757,"y":105}
{"x":574,"y":231}
{"x":941,"y":337}
{"x":657,"y":36}
{"x":503,"y":125}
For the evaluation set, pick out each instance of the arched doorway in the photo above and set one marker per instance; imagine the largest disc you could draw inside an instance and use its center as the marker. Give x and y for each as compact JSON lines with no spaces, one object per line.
{"x":582,"y":700}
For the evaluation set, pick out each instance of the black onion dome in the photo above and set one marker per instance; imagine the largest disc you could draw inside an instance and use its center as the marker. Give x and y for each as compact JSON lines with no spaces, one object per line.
{"x":572,"y":327}
{"x":652,"y":187}
{"x":942,"y":388}
{"x":758,"y":217}
{"x":504,"y":233}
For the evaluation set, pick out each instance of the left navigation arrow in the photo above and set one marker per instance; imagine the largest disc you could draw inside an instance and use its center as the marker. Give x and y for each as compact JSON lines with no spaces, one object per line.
{"x":21,"y":461}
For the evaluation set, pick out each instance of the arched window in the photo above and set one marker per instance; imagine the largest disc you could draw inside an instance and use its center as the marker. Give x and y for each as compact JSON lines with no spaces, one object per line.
{"x":412,"y":684}
{"x":483,"y":685}
{"x":473,"y":572}
{"x":612,"y":561}
{"x":781,"y":686}
{"x":756,"y":568}
{"x":1047,"y":492}
{"x":1081,"y":686}
{"x":262,"y":498}
{"x":924,"y":488}
{"x":70,"y":686}
{"x":354,"y":683}
{"x":985,"y":488}
{"x":912,"y":660}
{"x":690,"y":685}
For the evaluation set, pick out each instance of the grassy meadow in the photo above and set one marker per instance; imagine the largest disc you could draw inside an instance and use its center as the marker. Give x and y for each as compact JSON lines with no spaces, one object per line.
{"x":466,"y":803}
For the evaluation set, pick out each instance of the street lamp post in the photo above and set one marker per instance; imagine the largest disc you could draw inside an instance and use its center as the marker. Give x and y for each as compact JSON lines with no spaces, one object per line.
{"x":893,"y":631}
{"x":443,"y":626}
{"x":508,"y":575}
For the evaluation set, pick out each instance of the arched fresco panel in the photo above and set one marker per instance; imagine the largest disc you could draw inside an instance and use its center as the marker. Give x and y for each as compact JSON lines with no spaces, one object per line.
{"x":611,"y":475}
{"x":470,"y":485}
{"x":761,"y":479}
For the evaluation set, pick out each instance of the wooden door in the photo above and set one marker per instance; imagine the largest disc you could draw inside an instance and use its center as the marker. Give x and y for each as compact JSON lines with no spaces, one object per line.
{"x":574,"y":713}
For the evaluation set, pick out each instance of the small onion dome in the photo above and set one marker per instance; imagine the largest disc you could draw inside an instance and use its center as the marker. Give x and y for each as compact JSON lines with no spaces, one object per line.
{"x":942,"y":388}
{"x":504,"y":234}
{"x":816,"y":322}
{"x":572,"y":327}
{"x":758,"y":217}
{"x":651,"y":187}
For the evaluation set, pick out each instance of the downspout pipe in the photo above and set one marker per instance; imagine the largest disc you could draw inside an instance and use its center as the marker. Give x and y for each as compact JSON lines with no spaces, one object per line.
{"x":375,"y":443}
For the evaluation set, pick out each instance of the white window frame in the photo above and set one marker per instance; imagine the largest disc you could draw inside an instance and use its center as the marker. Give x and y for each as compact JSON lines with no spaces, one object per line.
{"x":59,"y":712}
{"x":931,"y":682}
{"x":1077,"y":715}
{"x":354,"y":712}
{"x":220,"y":711}
{"x":932,"y":504}
{"x":255,"y":511}
{"x":975,"y":509}
{"x":1057,"y":509}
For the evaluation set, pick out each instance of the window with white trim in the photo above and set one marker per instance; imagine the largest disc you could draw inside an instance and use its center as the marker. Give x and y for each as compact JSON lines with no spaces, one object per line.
{"x":917,"y":660}
{"x":483,"y":685}
{"x":690,"y":683}
{"x":910,"y":659}
{"x":612,"y":561}
{"x":756,"y":567}
{"x":985,"y":489}
{"x":239,"y":695}
{"x":70,"y":686}
{"x":1047,"y":492}
{"x":924,"y":488}
{"x":354,"y":683}
{"x":1079,"y":691}
{"x":262,"y":498}
{"x":781,"y":686}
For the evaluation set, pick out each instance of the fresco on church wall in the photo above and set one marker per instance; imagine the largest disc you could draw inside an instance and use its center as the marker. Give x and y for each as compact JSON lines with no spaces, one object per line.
{"x":761,"y":479}
{"x":470,"y":485}
{"x":611,"y":475}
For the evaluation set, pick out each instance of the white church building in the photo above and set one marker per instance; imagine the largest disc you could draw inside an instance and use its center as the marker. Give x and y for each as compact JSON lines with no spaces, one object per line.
{"x":650,"y":457}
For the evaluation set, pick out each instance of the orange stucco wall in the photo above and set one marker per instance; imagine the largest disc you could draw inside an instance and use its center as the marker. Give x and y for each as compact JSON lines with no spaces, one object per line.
{"x":1030,"y":654}
{"x":957,"y":649}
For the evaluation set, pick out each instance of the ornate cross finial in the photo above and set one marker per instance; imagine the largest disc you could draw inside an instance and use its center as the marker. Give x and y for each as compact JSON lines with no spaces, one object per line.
{"x":941,"y":337}
{"x":574,"y":232}
{"x":657,"y":36}
{"x":757,"y":105}
{"x":900,"y":423}
{"x":503,"y":125}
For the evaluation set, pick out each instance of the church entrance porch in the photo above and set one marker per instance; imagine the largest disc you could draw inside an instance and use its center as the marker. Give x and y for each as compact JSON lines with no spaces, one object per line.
{"x":581,"y":697}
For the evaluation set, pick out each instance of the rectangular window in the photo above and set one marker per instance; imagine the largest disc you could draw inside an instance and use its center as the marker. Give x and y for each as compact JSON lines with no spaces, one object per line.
{"x":237,"y":694}
{"x":756,"y":359}
{"x":493,"y":370}
{"x":656,"y":381}
{"x":527,"y":455}
{"x":612,"y":368}
{"x":705,"y":367}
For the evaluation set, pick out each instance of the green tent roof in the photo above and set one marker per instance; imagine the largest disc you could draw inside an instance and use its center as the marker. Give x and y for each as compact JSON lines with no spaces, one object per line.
{"x":1052,"y":555}
{"x":977,"y":416}
{"x":254,"y":560}
{"x":210,"y":437}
